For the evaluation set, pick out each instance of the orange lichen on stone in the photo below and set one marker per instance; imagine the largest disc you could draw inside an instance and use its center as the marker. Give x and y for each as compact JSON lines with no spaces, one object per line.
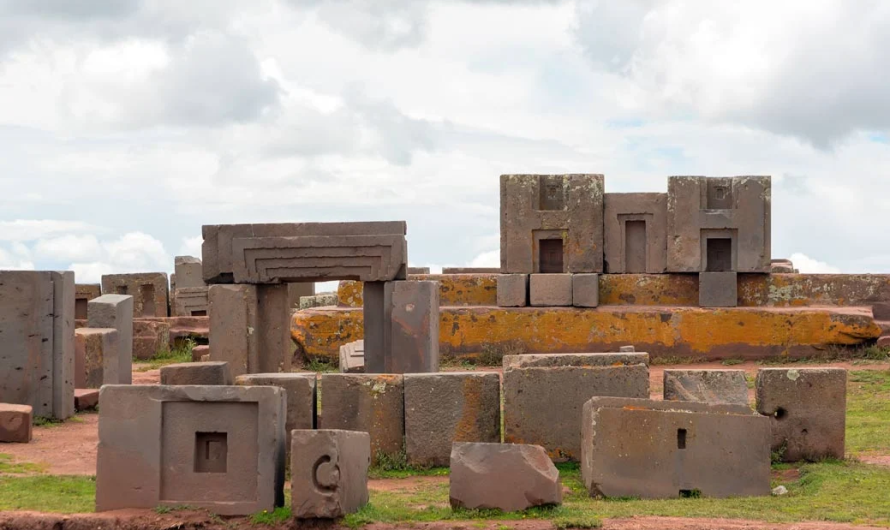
{"x":660,"y":331}
{"x":454,"y":289}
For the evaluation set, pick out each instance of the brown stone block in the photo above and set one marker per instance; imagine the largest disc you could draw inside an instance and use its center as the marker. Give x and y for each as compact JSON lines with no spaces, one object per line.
{"x":83,"y":293}
{"x":585,"y":290}
{"x":209,"y":373}
{"x":115,"y":311}
{"x":190,"y":301}
{"x":189,"y":272}
{"x":86,"y":399}
{"x":233,"y":325}
{"x":706,"y":386}
{"x":555,"y":360}
{"x":550,"y":290}
{"x":412,"y":344}
{"x":512,"y":290}
{"x":15,"y":423}
{"x":200,"y":351}
{"x":150,"y":337}
{"x":329,"y":473}
{"x":635,"y":238}
{"x":97,"y":358}
{"x":300,"y":390}
{"x":148,"y":289}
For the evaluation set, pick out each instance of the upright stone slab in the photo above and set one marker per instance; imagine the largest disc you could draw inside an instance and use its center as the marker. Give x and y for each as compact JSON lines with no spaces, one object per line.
{"x":412,"y":344}
{"x":635,"y":233}
{"x":201,"y":373}
{"x":15,"y":423}
{"x":150,"y":338}
{"x":664,"y":449}
{"x":543,"y":400}
{"x":512,"y":290}
{"x":301,"y":398}
{"x":233,"y":325}
{"x":718,"y":224}
{"x":97,"y":358}
{"x":190,"y":301}
{"x":329,"y":473}
{"x":83,"y":293}
{"x":276,"y":348}
{"x":807,"y":409}
{"x":551,"y":223}
{"x":449,"y":407}
{"x":352,"y":357}
{"x":706,"y":386}
{"x":219,"y":448}
{"x":718,"y":289}
{"x":148,"y":289}
{"x":115,"y":311}
{"x":508,"y":477}
{"x":553,"y":290}
{"x":377,"y":325}
{"x":37,"y":348}
{"x":189,"y":272}
{"x":371,"y":403}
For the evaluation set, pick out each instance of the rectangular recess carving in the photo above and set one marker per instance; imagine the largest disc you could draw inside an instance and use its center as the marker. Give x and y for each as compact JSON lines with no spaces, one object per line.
{"x":211,"y":452}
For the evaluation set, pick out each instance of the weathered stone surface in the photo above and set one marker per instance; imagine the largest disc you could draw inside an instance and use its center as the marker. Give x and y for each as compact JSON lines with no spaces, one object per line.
{"x":551,"y":223}
{"x":189,"y":272}
{"x":297,"y":290}
{"x":665,"y":449}
{"x":97,"y":358}
{"x":807,"y":407}
{"x":542,"y":405}
{"x":782,"y":266}
{"x":475,"y":289}
{"x":37,"y":352}
{"x":635,"y":226}
{"x":706,"y":386}
{"x":209,"y":373}
{"x":718,"y":289}
{"x":115,"y":311}
{"x":83,"y":293}
{"x":553,"y":290}
{"x":412,"y":344}
{"x":512,"y":290}
{"x":150,"y":337}
{"x":725,"y":219}
{"x":318,"y":300}
{"x":585,"y":290}
{"x":233,"y":325}
{"x":149,"y":291}
{"x":275,"y":347}
{"x":449,"y":407}
{"x":471,"y":270}
{"x":733,"y":333}
{"x":190,"y":301}
{"x":15,"y":423}
{"x":219,"y":448}
{"x":300,"y":391}
{"x":372,"y":403}
{"x":200,"y":351}
{"x":329,"y":473}
{"x":86,"y":398}
{"x":627,"y":349}
{"x":555,"y":360}
{"x":508,"y":477}
{"x":418,"y":270}
{"x":302,"y":252}
{"x":352,"y":357}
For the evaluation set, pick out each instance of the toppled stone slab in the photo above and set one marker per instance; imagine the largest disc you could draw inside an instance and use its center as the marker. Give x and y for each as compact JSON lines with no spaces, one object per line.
{"x":15,"y":423}
{"x":449,"y":407}
{"x":329,"y":473}
{"x":86,"y":398}
{"x":352,"y":357}
{"x":807,"y":409}
{"x":542,"y":405}
{"x":200,"y":351}
{"x":115,"y":311}
{"x":782,"y":266}
{"x":219,"y":448}
{"x":508,"y":477}
{"x":372,"y":403}
{"x":668,"y":449}
{"x":300,"y":390}
{"x":97,"y":358}
{"x":209,"y":373}
{"x":706,"y":386}
{"x":148,"y":289}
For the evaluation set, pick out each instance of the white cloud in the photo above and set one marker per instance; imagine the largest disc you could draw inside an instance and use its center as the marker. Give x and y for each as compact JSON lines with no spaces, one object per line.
{"x":132,"y":252}
{"x":492,"y":258}
{"x":67,"y":248}
{"x":16,"y":259}
{"x":808,"y":265}
{"x":31,"y":230}
{"x":191,"y":246}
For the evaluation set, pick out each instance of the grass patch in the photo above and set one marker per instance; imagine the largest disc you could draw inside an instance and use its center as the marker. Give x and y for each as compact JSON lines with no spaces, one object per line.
{"x":868,"y":412}
{"x":320,"y":364}
{"x":860,"y":354}
{"x":397,"y":466}
{"x":665,"y":360}
{"x":7,"y":466}
{"x":273,"y":518}
{"x":181,"y":354}
{"x":731,"y":362}
{"x":48,"y":493}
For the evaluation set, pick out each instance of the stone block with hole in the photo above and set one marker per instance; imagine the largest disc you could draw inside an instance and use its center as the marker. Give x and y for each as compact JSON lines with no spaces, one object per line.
{"x":329,"y":473}
{"x":807,"y":408}
{"x":150,"y":291}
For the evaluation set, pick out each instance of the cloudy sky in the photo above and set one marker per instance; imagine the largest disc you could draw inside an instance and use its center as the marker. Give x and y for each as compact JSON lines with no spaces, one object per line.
{"x":125,"y":125}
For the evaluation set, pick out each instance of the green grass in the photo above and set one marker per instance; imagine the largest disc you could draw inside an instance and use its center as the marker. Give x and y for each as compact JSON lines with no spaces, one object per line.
{"x":48,"y":493}
{"x":278,"y":516}
{"x":320,"y":364}
{"x":181,"y":354}
{"x":7,"y":466}
{"x":868,"y":412}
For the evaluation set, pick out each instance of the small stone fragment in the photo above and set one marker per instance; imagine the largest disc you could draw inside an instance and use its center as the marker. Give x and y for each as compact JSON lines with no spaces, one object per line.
{"x":15,"y":423}
{"x":209,"y":373}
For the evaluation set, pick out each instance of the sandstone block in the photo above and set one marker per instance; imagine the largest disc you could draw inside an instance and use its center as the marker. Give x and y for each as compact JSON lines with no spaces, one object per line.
{"x":200,"y":351}
{"x":412,"y":344}
{"x":471,"y":270}
{"x":115,"y":311}
{"x":219,"y":448}
{"x":449,"y":407}
{"x":807,"y":409}
{"x":627,"y":349}
{"x":15,"y":423}
{"x":150,"y":337}
{"x":233,"y":324}
{"x":329,"y":473}
{"x":635,"y":228}
{"x":418,"y":270}
{"x":556,"y":360}
{"x":189,"y":272}
{"x":706,"y":386}
{"x":274,"y":343}
{"x":512,"y":290}
{"x":300,"y":390}
{"x":550,"y":290}
{"x":662,"y":449}
{"x":352,"y":357}
{"x":97,"y":358}
{"x":296,"y":291}
{"x":83,"y":293}
{"x":718,"y":289}
{"x":210,"y":373}
{"x":149,"y":291}
{"x":190,"y":301}
{"x":508,"y":477}
{"x":86,"y":398}
{"x":585,"y":290}
{"x":371,"y":403}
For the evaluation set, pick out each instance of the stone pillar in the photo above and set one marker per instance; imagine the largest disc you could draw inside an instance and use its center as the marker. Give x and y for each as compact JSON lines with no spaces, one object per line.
{"x":233,"y":326}
{"x":63,"y":344}
{"x":412,"y":323}
{"x":376,"y":327}
{"x":276,"y":348}
{"x":115,"y":311}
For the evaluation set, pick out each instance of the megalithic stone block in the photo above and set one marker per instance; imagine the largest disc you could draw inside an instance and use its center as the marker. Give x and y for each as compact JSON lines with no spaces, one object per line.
{"x":377,"y":326}
{"x":37,"y":353}
{"x":706,"y":386}
{"x":148,"y":289}
{"x":190,"y":301}
{"x":97,"y":357}
{"x":233,"y":327}
{"x":807,"y":409}
{"x":352,"y":357}
{"x":300,"y":390}
{"x":412,"y":312}
{"x":512,"y":290}
{"x":83,"y":293}
{"x":635,"y":233}
{"x":219,"y":448}
{"x":115,"y":311}
{"x":551,"y":223}
{"x":329,"y":473}
{"x":295,"y":291}
{"x":718,"y":289}
{"x":668,"y":449}
{"x":302,"y":252}
{"x":15,"y":423}
{"x":550,"y":290}
{"x":201,"y":373}
{"x":189,"y":272}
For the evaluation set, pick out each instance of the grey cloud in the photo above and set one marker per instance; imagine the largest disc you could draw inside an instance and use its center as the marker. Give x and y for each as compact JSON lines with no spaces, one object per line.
{"x":610,"y":32}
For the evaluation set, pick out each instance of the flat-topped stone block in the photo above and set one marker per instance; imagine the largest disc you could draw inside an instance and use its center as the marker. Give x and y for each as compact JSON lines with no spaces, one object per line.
{"x":115,"y":311}
{"x":189,"y":272}
{"x":208,"y":373}
{"x":718,"y":289}
{"x":300,"y":390}
{"x":15,"y":423}
{"x":549,"y":360}
{"x":508,"y":477}
{"x":352,"y":357}
{"x":83,"y":293}
{"x":585,"y":290}
{"x":97,"y":358}
{"x":512,"y":290}
{"x":706,"y":386}
{"x":86,"y":398}
{"x":148,"y":289}
{"x":635,"y":226}
{"x":329,"y":473}
{"x":550,"y":290}
{"x":449,"y":407}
